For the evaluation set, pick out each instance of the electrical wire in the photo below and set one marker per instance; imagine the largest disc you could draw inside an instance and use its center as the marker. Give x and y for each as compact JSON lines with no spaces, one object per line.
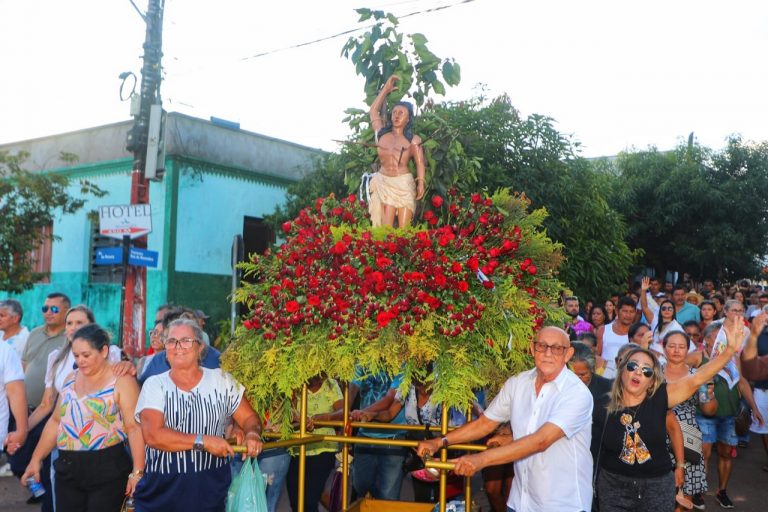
{"x":350,"y":31}
{"x":143,"y":16}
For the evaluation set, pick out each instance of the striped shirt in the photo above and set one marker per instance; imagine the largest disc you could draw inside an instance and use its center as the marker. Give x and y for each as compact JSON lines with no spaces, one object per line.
{"x":206,"y":409}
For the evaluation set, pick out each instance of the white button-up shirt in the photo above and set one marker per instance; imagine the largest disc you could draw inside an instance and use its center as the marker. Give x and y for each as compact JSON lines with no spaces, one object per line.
{"x":559,"y":479}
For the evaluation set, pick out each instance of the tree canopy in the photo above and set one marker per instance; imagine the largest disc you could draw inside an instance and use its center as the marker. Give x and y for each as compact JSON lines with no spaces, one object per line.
{"x":28,"y":204}
{"x":697,"y":210}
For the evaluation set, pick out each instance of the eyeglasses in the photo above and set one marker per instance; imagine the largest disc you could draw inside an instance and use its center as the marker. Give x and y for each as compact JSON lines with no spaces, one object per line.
{"x":54,"y":309}
{"x":634,"y":365}
{"x":180,"y":342}
{"x":737,"y":311}
{"x":557,"y":350}
{"x":667,"y":308}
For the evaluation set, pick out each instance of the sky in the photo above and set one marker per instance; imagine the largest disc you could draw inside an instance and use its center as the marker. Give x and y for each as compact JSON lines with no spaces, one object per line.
{"x":615,"y":74}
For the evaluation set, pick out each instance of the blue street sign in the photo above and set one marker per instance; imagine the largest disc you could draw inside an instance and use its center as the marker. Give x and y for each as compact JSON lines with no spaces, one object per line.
{"x":142,"y":257}
{"x":109,"y":256}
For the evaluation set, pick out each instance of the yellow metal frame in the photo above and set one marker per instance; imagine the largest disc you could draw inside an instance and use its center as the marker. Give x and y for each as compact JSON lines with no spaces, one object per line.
{"x":303,"y":439}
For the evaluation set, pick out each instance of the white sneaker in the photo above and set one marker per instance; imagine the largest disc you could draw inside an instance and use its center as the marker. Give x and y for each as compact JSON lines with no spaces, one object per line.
{"x":5,"y":470}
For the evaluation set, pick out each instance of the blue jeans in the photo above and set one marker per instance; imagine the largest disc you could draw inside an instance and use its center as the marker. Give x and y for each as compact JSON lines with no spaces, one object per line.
{"x":378,"y":470}
{"x":274,"y":466}
{"x":718,"y":429}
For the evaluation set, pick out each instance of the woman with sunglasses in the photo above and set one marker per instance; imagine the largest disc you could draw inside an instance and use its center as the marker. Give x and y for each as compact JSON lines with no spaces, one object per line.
{"x":662,"y":320}
{"x":635,"y":469}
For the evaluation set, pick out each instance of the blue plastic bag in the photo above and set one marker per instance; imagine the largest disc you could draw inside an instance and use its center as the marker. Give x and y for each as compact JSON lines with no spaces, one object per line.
{"x":247,"y":493}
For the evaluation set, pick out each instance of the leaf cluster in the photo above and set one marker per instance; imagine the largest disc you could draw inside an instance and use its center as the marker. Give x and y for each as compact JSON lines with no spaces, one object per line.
{"x":28,"y":204}
{"x":383,"y":51}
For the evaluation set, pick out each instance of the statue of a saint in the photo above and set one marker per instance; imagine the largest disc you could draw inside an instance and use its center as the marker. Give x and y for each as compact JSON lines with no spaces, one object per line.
{"x":393,"y":190}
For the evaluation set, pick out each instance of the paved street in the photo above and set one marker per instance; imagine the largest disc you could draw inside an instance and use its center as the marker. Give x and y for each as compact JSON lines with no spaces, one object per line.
{"x":748,"y":488}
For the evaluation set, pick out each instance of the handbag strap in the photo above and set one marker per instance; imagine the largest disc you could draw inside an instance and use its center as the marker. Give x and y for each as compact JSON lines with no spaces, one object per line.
{"x":599,"y":452}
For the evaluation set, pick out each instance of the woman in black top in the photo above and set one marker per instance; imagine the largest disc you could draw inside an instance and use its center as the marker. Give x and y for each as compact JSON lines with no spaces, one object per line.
{"x":635,"y":471}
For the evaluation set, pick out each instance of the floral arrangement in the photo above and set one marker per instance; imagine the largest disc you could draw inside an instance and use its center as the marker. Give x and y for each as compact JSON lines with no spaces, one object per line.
{"x":464,"y":290}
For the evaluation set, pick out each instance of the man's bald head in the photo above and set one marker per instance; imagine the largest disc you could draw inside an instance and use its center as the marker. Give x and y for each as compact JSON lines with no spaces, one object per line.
{"x":552,"y":333}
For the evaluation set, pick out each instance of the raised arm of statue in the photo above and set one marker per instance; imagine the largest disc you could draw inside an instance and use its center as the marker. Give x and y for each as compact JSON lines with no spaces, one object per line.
{"x":376,"y":121}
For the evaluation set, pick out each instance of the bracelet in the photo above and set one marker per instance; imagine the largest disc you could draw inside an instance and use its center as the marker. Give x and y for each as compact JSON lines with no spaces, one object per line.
{"x":136,"y":474}
{"x":421,"y":179}
{"x":444,"y":441}
{"x":253,"y":434}
{"x":680,"y":465}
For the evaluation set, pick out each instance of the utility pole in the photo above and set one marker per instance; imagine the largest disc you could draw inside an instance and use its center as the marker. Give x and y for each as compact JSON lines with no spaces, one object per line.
{"x":144,"y":142}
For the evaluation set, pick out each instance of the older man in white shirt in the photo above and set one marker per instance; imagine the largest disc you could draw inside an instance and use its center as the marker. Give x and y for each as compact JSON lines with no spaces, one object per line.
{"x":551,"y":417}
{"x":12,"y":333}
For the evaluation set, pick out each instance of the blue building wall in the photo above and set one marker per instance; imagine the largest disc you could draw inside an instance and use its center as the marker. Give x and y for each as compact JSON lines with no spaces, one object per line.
{"x":211,"y":208}
{"x":197,"y":209}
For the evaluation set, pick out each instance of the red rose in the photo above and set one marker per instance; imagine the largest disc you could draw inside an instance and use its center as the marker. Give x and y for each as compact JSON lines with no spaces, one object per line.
{"x":428,"y":215}
{"x":488,"y":285}
{"x":383,"y":318}
{"x":509,"y":245}
{"x":313,"y":300}
{"x":463,"y":286}
{"x":473,"y":264}
{"x":476,"y":198}
{"x":456,"y":267}
{"x":532,"y":270}
{"x":292,"y":306}
{"x":286,"y":227}
{"x":383,"y":262}
{"x":437,"y":201}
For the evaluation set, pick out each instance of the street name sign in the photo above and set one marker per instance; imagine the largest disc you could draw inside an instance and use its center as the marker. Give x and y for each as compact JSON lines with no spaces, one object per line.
{"x":142,"y":257}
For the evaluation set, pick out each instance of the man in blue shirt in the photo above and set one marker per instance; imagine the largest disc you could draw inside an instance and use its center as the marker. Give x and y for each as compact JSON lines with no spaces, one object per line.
{"x":684,"y":311}
{"x":378,"y":469}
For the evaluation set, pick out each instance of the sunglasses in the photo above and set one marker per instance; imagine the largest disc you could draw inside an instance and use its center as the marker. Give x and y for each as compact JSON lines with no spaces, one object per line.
{"x":634,"y":365}
{"x":667,"y":308}
{"x":54,"y":309}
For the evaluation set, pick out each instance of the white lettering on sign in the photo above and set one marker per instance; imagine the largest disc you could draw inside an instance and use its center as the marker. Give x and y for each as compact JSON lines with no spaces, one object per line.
{"x":116,"y":221}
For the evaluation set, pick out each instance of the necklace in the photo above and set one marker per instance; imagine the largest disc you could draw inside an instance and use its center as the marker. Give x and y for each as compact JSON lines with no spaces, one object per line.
{"x":633,"y":449}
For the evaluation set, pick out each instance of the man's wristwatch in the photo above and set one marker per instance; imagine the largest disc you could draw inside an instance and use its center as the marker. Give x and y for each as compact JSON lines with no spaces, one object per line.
{"x":199,"y":446}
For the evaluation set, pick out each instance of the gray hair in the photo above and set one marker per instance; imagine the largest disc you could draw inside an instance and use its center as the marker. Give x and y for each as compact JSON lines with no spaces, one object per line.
{"x":192,"y":324}
{"x":732,"y":302}
{"x":14,"y":307}
{"x":582,"y":353}
{"x":709,"y":329}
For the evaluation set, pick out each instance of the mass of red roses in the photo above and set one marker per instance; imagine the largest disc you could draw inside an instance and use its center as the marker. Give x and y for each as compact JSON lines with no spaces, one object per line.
{"x":328,"y":282}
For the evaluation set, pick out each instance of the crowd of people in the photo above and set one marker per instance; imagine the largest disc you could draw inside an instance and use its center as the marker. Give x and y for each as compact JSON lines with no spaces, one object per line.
{"x":610,"y":413}
{"x":684,"y":328}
